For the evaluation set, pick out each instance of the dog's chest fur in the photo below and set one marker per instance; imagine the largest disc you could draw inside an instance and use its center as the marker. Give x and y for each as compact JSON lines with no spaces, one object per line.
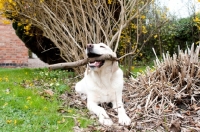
{"x":106,"y":87}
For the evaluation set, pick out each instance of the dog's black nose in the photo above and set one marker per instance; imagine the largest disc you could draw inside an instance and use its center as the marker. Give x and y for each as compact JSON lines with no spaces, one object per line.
{"x":90,"y":46}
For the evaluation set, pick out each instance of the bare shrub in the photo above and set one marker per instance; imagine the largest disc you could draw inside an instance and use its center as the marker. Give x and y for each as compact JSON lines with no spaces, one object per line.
{"x":71,"y":24}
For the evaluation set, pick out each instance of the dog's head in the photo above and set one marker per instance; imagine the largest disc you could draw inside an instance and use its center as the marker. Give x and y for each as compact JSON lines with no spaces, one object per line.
{"x":96,"y":50}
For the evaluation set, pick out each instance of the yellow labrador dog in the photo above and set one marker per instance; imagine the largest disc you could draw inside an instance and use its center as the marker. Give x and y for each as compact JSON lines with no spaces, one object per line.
{"x":103,"y":82}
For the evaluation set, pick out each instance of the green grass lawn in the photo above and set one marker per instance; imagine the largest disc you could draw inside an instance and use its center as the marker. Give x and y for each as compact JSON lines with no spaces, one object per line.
{"x":138,"y":69}
{"x":134,"y":70}
{"x":24,"y":108}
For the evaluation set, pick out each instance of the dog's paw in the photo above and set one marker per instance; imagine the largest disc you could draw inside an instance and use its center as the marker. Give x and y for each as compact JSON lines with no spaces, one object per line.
{"x":106,"y":121}
{"x":124,"y":120}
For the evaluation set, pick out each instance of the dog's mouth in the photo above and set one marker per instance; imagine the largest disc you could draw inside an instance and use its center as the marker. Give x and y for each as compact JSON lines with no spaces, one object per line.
{"x":92,"y":55}
{"x":98,"y":63}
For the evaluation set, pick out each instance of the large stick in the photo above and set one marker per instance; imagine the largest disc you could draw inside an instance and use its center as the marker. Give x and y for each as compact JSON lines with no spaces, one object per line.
{"x":82,"y":62}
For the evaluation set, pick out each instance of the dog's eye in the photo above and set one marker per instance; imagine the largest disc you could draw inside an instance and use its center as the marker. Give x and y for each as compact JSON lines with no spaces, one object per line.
{"x":102,"y":46}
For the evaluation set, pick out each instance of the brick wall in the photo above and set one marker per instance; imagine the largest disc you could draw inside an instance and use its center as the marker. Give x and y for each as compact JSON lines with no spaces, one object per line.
{"x":13,"y":52}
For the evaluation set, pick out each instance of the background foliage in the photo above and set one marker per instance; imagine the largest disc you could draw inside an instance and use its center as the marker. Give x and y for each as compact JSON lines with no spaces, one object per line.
{"x":153,"y":27}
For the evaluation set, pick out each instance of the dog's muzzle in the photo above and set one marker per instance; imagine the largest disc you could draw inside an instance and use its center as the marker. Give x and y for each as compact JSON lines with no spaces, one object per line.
{"x":91,"y":54}
{"x":96,"y":63}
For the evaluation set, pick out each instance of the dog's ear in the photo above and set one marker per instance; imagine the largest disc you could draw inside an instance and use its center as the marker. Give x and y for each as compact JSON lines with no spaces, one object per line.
{"x":114,"y":54}
{"x":114,"y":63}
{"x":87,"y":70}
{"x":114,"y":66}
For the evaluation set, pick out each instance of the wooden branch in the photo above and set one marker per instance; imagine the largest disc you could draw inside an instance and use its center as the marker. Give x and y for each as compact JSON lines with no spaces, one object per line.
{"x":82,"y":62}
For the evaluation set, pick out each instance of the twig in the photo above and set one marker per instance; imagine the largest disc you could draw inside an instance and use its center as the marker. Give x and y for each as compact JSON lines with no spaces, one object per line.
{"x":81,"y":62}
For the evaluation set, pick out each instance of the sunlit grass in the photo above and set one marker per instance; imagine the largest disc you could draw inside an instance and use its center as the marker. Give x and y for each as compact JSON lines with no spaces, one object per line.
{"x":137,"y":70}
{"x":22,"y":108}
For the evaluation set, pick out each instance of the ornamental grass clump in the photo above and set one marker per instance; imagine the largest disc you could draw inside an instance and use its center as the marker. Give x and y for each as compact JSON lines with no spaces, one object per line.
{"x":167,"y":97}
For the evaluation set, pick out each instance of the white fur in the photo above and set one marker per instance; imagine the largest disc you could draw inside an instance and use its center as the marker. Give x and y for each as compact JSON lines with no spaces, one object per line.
{"x":104,"y":84}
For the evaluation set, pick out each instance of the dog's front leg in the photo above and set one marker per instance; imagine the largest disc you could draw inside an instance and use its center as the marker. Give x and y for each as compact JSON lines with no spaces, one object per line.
{"x":104,"y":119}
{"x":123,"y":118}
